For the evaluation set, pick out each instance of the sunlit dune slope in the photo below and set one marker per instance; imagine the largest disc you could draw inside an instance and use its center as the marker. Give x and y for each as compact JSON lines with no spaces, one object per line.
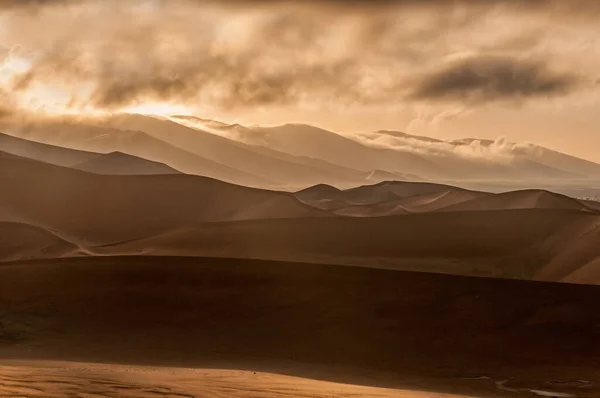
{"x":19,"y":241}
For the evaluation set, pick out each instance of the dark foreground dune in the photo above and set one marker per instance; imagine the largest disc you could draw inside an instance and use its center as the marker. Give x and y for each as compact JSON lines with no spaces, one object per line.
{"x":410,"y":331}
{"x":508,"y":243}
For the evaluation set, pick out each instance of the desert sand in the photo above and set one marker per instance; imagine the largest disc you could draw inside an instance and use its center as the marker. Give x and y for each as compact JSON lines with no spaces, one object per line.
{"x":86,"y":380}
{"x":407,"y":331}
{"x":120,"y":276}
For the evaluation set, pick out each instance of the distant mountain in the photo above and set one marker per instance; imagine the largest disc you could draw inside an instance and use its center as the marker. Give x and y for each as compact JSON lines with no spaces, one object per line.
{"x":57,"y":155}
{"x":283,"y":167}
{"x":118,"y":163}
{"x":305,"y":140}
{"x":547,"y":157}
{"x":91,"y":137}
{"x":293,"y":156}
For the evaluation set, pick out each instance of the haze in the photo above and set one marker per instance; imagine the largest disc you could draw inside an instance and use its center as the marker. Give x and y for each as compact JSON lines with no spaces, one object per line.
{"x":319,"y":198}
{"x":526,"y":70}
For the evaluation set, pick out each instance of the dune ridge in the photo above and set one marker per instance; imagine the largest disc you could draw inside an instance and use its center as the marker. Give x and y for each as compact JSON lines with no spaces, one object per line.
{"x":118,"y":163}
{"x":93,"y":209}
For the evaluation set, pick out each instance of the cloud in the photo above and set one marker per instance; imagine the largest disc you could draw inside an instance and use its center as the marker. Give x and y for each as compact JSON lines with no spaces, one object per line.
{"x":499,"y":150}
{"x":231,"y":55}
{"x":480,"y":80}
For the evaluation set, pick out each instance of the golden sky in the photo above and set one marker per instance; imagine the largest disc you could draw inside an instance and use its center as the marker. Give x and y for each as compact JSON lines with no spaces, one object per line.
{"x":528,"y":70}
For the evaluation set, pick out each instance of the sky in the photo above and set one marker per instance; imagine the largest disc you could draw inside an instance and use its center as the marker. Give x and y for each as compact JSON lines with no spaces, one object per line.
{"x":527,"y":70}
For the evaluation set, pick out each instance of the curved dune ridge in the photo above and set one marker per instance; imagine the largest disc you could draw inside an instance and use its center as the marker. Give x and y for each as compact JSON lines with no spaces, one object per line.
{"x":93,"y":209}
{"x":577,"y":249}
{"x":428,"y":202}
{"x":510,"y":243}
{"x":19,"y":241}
{"x":397,"y":197}
{"x":523,"y":234}
{"x":526,"y":199}
{"x":118,"y":163}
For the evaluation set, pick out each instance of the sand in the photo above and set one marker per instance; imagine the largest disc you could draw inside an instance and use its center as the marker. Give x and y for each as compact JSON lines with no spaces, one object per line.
{"x":118,"y":163}
{"x":509,"y":243}
{"x":87,"y":380}
{"x":88,"y":209}
{"x":406,"y":331}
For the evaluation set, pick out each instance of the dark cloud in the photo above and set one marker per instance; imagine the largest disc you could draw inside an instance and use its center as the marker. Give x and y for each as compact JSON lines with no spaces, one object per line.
{"x":488,"y":79}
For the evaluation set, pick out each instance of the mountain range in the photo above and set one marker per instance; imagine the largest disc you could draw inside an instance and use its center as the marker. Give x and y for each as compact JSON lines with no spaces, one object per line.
{"x":295,"y":156}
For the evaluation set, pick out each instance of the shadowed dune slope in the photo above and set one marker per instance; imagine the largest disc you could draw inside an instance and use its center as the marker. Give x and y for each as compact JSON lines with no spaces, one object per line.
{"x":414,"y":204}
{"x":351,"y":324}
{"x":20,"y":241}
{"x":44,"y":152}
{"x":92,"y":209}
{"x":396,"y":197}
{"x":323,"y":195}
{"x":118,"y":163}
{"x":526,"y":199}
{"x":506,"y":243}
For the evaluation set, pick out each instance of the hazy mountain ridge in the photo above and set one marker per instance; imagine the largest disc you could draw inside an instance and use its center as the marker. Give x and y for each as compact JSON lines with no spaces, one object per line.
{"x":293,"y":156}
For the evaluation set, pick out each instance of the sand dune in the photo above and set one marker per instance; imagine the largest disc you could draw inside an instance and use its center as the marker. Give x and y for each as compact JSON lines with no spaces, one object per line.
{"x":369,"y":194}
{"x":413,"y":204}
{"x":395,"y":197}
{"x":411,"y":331}
{"x":20,"y":241}
{"x":57,"y":155}
{"x":586,"y":274}
{"x":118,"y":163}
{"x":577,"y":248}
{"x":88,"y":208}
{"x":505,"y":243}
{"x":83,"y":136}
{"x":66,"y":379}
{"x":526,"y":199}
{"x":526,"y":235}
